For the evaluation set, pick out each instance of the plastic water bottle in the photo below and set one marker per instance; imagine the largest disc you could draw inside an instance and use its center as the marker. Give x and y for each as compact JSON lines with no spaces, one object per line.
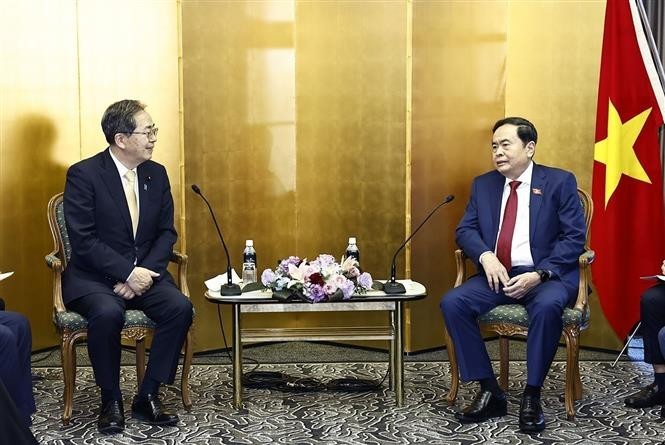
{"x":352,"y":249}
{"x":249,"y":263}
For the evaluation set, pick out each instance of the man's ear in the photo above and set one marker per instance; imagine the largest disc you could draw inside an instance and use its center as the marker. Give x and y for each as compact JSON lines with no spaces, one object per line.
{"x":531,"y":148}
{"x":120,"y":139}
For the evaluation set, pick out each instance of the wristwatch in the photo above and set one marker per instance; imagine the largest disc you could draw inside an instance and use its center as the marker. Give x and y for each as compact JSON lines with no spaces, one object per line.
{"x":544,"y":274}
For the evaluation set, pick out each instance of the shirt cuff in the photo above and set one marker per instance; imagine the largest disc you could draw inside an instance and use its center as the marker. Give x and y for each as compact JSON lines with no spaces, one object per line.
{"x":480,"y":258}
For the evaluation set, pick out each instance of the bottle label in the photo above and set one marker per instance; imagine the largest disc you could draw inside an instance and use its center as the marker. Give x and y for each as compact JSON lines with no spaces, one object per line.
{"x":249,"y":272}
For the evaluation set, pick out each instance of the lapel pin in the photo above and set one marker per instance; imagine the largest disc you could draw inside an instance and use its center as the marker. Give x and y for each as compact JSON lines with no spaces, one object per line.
{"x":537,"y":191}
{"x":145,"y":187}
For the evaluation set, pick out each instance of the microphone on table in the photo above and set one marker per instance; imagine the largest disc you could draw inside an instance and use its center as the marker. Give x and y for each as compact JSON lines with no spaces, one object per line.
{"x":392,"y":286}
{"x":228,"y":289}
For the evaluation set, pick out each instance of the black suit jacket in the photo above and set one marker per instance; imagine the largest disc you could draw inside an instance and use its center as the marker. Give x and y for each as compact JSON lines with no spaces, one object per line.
{"x":104,"y":250}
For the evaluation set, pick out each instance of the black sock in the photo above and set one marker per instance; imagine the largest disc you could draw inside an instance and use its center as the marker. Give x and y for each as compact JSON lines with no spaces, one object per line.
{"x":149,"y":386}
{"x":659,"y":380}
{"x":110,"y":394}
{"x":490,"y":385}
{"x":532,"y":391}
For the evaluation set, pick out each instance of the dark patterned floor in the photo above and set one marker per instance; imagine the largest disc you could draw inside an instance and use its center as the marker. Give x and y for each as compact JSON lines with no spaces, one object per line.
{"x":271,"y":416}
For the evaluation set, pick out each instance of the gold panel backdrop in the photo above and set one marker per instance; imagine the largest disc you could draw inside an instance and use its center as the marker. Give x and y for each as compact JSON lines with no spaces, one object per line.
{"x":296,"y":125}
{"x":459,"y":57}
{"x":39,"y":137}
{"x":239,"y":88}
{"x":350,"y":102}
{"x":63,"y":63}
{"x":552,"y":79}
{"x":294,"y":130}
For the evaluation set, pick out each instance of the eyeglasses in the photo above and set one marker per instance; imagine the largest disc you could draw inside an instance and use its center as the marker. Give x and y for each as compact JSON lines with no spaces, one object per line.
{"x":149,"y":133}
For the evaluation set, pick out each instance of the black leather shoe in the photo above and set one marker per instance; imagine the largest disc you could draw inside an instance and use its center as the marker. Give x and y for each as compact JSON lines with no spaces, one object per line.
{"x":150,"y":409}
{"x":482,"y":407}
{"x":646,"y":397}
{"x":111,"y":418}
{"x":532,"y":419}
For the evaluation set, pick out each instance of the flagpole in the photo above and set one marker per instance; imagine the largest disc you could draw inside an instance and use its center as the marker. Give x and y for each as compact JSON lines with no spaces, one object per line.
{"x":655,"y":55}
{"x":652,"y":43}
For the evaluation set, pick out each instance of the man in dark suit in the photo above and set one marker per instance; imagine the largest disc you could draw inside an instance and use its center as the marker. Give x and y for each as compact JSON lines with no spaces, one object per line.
{"x":524,"y":228}
{"x":652,"y":314}
{"x":119,"y":214}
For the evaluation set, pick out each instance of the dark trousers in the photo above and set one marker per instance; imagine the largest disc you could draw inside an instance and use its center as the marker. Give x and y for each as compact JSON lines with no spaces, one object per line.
{"x":652,"y":311}
{"x":13,"y":429}
{"x":15,"y":351}
{"x":105,"y":312}
{"x":545,"y":303}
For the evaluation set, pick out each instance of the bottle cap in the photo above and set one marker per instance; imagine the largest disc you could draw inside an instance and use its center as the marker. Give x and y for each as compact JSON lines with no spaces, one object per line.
{"x":249,"y":243}
{"x":352,"y":240}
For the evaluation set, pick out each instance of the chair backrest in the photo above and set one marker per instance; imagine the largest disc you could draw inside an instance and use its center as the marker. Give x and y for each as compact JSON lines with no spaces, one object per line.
{"x":56,"y":220}
{"x":587,"y":206}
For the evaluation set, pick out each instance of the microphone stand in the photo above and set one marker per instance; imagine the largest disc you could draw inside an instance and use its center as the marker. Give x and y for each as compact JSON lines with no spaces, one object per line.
{"x":391,"y":286}
{"x":229,"y":289}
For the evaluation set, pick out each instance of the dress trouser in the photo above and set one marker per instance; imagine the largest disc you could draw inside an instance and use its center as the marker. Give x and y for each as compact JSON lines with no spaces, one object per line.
{"x":13,"y":429}
{"x":652,"y":314}
{"x":163,"y":303}
{"x":544,"y":304}
{"x":15,"y":370}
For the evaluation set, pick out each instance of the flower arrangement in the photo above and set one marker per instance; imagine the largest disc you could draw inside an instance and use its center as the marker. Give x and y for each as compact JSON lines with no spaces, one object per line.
{"x":320,"y":280}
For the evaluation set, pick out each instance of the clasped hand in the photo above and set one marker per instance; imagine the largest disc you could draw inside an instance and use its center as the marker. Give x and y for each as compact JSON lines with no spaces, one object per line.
{"x":139,"y":281}
{"x":497,"y":278}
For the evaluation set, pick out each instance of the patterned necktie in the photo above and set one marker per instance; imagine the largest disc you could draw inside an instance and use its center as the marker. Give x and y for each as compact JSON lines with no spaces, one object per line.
{"x":130,"y":194}
{"x":503,"y":246}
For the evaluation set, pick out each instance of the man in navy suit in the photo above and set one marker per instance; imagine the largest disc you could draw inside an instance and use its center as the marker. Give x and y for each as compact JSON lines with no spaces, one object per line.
{"x":119,"y":214}
{"x":524,"y":228}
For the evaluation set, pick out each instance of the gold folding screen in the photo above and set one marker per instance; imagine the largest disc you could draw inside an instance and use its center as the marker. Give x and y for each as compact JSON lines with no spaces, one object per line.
{"x":295,"y":124}
{"x":305,"y":122}
{"x":63,"y":63}
{"x":459,"y":59}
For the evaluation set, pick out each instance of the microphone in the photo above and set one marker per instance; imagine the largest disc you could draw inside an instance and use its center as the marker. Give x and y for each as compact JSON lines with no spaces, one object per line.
{"x":228,"y":289}
{"x":391,"y":286}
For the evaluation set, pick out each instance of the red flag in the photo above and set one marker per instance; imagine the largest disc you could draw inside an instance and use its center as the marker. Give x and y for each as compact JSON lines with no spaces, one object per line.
{"x":628,"y":224}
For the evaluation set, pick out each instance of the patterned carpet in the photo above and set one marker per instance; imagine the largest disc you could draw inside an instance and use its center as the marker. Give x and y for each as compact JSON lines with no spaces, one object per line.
{"x":271,"y":416}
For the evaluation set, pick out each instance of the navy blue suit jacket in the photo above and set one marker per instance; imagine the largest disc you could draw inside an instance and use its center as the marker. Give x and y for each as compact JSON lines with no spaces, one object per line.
{"x":557,"y":230}
{"x":100,"y":230}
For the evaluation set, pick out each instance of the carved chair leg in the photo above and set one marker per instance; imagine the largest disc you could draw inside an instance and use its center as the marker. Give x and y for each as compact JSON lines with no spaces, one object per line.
{"x":68,"y":376}
{"x":186,"y":366}
{"x":573,"y":389}
{"x":140,"y":362}
{"x":454,"y":371}
{"x":504,"y":354}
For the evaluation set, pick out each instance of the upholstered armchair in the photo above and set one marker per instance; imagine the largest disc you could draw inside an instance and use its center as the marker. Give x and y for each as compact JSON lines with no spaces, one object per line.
{"x":511,"y":320}
{"x":72,"y":327}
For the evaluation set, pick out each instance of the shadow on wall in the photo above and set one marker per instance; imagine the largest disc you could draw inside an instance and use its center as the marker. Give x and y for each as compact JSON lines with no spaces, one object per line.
{"x":29,"y":178}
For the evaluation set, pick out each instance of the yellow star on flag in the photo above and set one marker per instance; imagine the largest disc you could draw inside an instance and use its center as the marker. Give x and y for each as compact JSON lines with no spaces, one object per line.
{"x":617,"y":152}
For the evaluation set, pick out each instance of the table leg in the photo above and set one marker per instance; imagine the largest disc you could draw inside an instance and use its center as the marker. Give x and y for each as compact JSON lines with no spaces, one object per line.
{"x":398,"y":370}
{"x":391,"y":350}
{"x":237,"y":359}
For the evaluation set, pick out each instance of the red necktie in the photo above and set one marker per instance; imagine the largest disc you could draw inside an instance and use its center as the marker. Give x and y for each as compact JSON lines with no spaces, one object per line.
{"x":503,"y":246}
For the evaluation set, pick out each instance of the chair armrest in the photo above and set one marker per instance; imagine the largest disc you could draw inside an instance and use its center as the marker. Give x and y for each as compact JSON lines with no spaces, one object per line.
{"x":181,"y":260}
{"x":460,"y":263}
{"x":178,"y":258}
{"x":587,"y":258}
{"x":54,"y":263}
{"x":585,"y":261}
